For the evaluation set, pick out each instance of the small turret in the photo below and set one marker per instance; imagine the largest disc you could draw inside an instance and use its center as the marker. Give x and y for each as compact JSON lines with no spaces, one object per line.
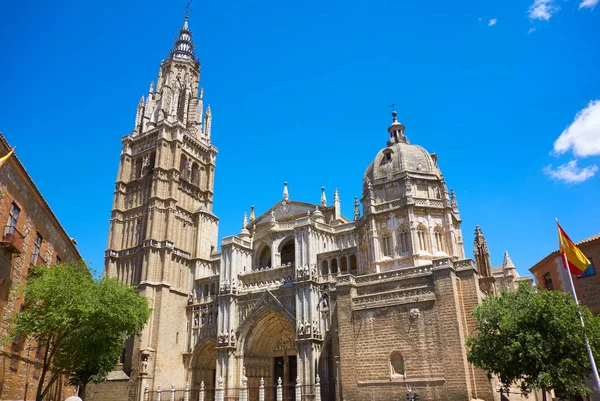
{"x":396,"y":131}
{"x":286,"y":194}
{"x":336,"y":205}
{"x":323,"y":197}
{"x":482,"y":254}
{"x":244,"y":233}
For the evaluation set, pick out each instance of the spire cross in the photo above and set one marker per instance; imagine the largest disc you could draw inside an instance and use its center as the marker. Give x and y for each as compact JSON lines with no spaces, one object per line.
{"x":188,"y":8}
{"x":393,"y":106}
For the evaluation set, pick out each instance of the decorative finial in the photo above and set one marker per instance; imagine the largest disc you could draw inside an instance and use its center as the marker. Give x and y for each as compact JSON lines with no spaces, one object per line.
{"x":356,"y":209}
{"x":252,"y":218}
{"x":245,"y":223}
{"x":323,"y":197}
{"x":285,"y":191}
{"x":151,"y":90}
{"x":336,"y":195}
{"x":184,"y":47}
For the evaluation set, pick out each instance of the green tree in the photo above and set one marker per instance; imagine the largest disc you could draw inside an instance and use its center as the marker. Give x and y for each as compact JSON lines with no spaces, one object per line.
{"x":534,"y":339}
{"x":81,"y":322}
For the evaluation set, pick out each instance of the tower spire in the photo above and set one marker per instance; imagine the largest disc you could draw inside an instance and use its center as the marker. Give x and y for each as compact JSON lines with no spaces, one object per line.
{"x":323,"y":197}
{"x":184,"y":46}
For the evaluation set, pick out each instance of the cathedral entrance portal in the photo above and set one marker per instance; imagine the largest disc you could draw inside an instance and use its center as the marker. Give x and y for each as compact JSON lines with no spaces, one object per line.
{"x":270,"y":353}
{"x":204,"y":365}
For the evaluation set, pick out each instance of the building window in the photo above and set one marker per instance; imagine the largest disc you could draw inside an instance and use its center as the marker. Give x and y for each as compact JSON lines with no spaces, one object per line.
{"x":396,"y":364}
{"x":288,"y":253}
{"x":422,"y":239}
{"x":37,"y":246}
{"x":386,"y":245}
{"x":590,"y":271}
{"x":548,"y":281}
{"x":439,"y":242}
{"x":403,"y":241}
{"x":13,"y":216}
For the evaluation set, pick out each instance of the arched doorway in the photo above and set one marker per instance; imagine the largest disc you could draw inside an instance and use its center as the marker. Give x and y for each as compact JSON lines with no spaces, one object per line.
{"x":204,"y":369}
{"x":270,"y":353}
{"x":328,"y":371}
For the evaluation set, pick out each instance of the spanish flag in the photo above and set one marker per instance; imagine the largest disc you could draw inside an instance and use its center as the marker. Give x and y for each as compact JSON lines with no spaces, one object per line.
{"x":577,"y":261}
{"x":5,"y":158}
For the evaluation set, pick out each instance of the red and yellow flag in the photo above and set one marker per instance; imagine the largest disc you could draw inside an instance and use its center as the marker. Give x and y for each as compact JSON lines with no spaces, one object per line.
{"x":577,"y":261}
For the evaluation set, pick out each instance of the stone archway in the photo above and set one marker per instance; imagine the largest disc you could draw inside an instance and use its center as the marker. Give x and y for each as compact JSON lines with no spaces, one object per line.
{"x":204,"y":365}
{"x":270,"y":352}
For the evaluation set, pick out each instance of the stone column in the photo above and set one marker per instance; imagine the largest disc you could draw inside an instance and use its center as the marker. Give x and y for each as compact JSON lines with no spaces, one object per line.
{"x":261,"y":390}
{"x":172,"y":394}
{"x":201,"y":393}
{"x":186,"y":393}
{"x":298,"y":389}
{"x":279,"y":391}
{"x":219,"y":396}
{"x":318,"y":389}
{"x":158,"y":393}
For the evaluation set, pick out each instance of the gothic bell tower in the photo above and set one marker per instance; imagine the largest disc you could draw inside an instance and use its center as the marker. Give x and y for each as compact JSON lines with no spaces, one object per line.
{"x":162,"y":230}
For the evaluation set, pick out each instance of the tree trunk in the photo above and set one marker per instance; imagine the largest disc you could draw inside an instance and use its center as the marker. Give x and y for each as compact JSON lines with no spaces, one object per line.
{"x":82,"y":391}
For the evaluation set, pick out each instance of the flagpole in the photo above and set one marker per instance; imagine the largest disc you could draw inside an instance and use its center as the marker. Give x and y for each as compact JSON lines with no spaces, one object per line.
{"x":587,"y":343}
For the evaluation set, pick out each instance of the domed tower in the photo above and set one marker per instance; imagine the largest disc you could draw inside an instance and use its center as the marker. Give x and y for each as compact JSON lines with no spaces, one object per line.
{"x":410,"y":218}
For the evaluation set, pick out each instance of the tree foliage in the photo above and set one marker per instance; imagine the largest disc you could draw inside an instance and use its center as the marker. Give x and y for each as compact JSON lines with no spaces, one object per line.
{"x":81,"y":322}
{"x":534,"y":339}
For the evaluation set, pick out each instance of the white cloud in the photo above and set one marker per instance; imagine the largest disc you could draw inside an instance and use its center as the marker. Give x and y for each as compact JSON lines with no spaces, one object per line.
{"x":543,"y":9}
{"x":583,"y":135}
{"x":494,"y":20}
{"x":480,"y":19}
{"x":588,"y":4}
{"x":570,"y":173}
{"x":531,"y":30}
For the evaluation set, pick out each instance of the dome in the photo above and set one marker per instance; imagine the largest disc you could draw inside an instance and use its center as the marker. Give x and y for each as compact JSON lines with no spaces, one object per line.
{"x":398,"y":158}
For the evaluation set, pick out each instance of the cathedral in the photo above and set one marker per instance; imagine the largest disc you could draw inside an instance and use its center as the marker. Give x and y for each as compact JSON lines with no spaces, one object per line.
{"x":365,"y":306}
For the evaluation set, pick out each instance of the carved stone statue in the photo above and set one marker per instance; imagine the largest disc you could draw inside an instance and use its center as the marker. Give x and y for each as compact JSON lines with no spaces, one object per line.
{"x":307,"y":327}
{"x":315,"y":327}
{"x":300,"y":329}
{"x":232,"y":337}
{"x":144,"y":367}
{"x":233,"y":284}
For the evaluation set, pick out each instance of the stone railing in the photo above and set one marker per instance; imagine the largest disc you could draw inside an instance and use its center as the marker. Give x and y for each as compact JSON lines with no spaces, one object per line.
{"x":393,"y":274}
{"x":272,"y":277}
{"x":429,"y":202}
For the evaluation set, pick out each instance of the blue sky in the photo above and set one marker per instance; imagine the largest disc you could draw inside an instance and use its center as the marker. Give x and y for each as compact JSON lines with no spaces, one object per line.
{"x":300,"y":92}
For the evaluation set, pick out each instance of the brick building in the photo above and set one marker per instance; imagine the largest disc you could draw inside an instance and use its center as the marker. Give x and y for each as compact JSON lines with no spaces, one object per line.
{"x":369,"y":304}
{"x":550,"y":274}
{"x":30,"y":235}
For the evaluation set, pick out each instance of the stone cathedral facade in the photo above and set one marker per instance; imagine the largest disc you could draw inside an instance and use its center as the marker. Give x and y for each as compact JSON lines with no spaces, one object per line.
{"x":370,"y":304}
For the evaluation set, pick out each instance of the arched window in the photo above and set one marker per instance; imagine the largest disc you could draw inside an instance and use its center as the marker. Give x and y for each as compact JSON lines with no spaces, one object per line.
{"x":396,"y":364}
{"x":353,"y":264}
{"x":386,"y":245}
{"x":334,"y":266}
{"x":439,"y":240}
{"x":324,"y":268}
{"x":183,"y":166}
{"x":403,"y":240}
{"x":138,"y":168}
{"x":288,"y":253}
{"x":194,"y":178}
{"x":264,"y":258}
{"x":344,"y":264}
{"x":422,"y":238}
